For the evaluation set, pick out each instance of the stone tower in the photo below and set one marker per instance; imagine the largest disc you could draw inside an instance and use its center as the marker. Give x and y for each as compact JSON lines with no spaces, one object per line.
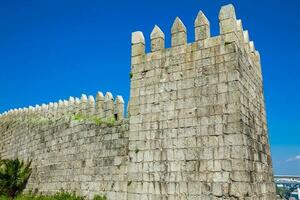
{"x":197,"y":125}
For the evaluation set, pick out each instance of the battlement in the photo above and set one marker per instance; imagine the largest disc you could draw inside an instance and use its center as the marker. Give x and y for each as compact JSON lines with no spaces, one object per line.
{"x":231,"y":32}
{"x":196,"y":125}
{"x":101,"y":106}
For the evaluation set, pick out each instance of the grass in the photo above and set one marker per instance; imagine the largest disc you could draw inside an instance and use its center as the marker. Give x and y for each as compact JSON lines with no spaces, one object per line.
{"x":98,"y":197}
{"x":79,"y":117}
{"x":94,"y":119}
{"x":61,"y":195}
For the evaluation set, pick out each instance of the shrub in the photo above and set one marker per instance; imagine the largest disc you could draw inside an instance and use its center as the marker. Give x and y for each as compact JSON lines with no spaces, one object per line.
{"x":3,"y":198}
{"x":111,"y":121}
{"x":31,"y":197}
{"x":14,"y":175}
{"x":79,"y":117}
{"x":98,"y":121}
{"x":63,"y":195}
{"x":98,"y":197}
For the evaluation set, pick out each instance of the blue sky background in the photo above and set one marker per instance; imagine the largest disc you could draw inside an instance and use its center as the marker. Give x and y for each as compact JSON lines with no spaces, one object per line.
{"x":53,"y":49}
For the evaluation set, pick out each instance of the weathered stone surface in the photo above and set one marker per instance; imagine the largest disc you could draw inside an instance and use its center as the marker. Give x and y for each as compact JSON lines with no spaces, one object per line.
{"x":137,"y":43}
{"x":157,"y":39}
{"x":202,"y":27}
{"x":196,"y":128}
{"x":71,"y":145}
{"x":198,"y":117}
{"x":178,"y":31}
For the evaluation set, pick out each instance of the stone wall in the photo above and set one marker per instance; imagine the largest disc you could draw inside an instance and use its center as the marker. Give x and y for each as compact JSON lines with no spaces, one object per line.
{"x":197,"y":116}
{"x":196,"y":127}
{"x":73,"y":148}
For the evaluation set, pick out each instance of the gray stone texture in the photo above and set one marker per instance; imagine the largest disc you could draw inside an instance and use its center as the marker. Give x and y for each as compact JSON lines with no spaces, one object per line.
{"x":82,"y":155}
{"x":197,"y":118}
{"x":196,"y":126}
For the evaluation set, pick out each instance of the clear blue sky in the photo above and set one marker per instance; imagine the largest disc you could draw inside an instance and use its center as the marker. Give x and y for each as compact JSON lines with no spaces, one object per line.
{"x":53,"y":49}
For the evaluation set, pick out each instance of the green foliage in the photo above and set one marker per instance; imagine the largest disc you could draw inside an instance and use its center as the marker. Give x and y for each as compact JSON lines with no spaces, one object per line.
{"x":79,"y":117}
{"x":14,"y":175}
{"x":130,"y":75}
{"x":61,"y":195}
{"x":111,"y":121}
{"x":285,"y":192}
{"x":281,"y":191}
{"x":4,"y":198}
{"x":32,"y":197}
{"x":98,"y":121}
{"x":98,"y":197}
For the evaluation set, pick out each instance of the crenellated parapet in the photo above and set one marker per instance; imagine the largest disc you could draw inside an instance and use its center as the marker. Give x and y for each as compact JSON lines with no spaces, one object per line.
{"x":202,"y":27}
{"x":104,"y":107}
{"x":196,"y":125}
{"x":197,"y":113}
{"x":86,"y":137}
{"x":231,"y":32}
